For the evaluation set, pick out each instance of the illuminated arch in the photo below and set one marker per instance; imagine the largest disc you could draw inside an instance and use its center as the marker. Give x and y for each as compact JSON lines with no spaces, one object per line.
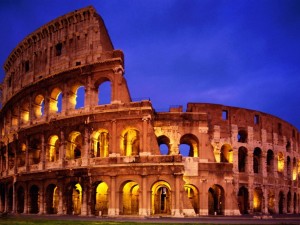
{"x":257,"y":199}
{"x":216,"y":200}
{"x":130,"y":198}
{"x":53,"y":148}
{"x":161,"y":198}
{"x":101,"y":199}
{"x":271,"y":201}
{"x":191,"y":141}
{"x":164,"y":144}
{"x":38,"y":107}
{"x":74,"y":145}
{"x":76,"y":96}
{"x":294,"y":169}
{"x":15,"y":116}
{"x":226,"y":153}
{"x":55,"y":101}
{"x":25,"y":112}
{"x":243,"y":200}
{"x":52,"y":199}
{"x":193,"y":195}
{"x":34,"y":200}
{"x":100,"y":143}
{"x":74,"y":199}
{"x":130,"y":142}
{"x":280,"y":165}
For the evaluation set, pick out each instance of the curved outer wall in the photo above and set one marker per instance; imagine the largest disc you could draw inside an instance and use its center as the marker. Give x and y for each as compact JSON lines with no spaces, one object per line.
{"x":123,"y":158}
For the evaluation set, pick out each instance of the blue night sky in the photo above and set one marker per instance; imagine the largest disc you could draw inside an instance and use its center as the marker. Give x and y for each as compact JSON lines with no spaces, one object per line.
{"x":233,"y":52}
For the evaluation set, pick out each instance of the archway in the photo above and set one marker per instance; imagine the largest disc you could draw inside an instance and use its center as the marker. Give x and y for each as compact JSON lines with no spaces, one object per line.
{"x":55,"y":101}
{"x":52,"y":199}
{"x":101,"y":199}
{"x":270,"y":162}
{"x":79,"y":99}
{"x":34,"y":199}
{"x":130,"y":198}
{"x":74,"y":199}
{"x":53,"y":148}
{"x":20,"y":200}
{"x":257,"y":158}
{"x":100,"y":142}
{"x":271,"y":201}
{"x":193,"y":195}
{"x":104,"y":93}
{"x":164,"y":145}
{"x":161,"y":198}
{"x":38,"y":107}
{"x":280,"y":162}
{"x":281,"y":203}
{"x":288,"y":202}
{"x":189,"y":145}
{"x":216,"y":200}
{"x":74,"y":145}
{"x":130,"y":144}
{"x":243,"y":200}
{"x":257,"y":200}
{"x":226,"y":154}
{"x":242,"y":157}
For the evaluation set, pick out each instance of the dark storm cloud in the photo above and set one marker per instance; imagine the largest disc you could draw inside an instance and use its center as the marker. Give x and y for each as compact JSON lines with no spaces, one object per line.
{"x":239,"y":53}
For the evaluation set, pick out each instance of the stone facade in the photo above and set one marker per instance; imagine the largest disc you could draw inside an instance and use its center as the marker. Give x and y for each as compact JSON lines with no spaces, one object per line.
{"x":124,"y":158}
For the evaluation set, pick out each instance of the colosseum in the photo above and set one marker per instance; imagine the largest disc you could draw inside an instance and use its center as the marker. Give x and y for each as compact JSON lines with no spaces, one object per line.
{"x":124,"y":157}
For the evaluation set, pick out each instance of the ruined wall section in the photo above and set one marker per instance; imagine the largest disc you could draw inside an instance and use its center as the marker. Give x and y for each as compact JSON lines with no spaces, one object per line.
{"x":72,"y":40}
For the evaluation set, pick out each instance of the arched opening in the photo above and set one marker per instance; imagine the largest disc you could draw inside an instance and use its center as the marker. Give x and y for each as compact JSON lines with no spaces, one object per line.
{"x":20,"y":200}
{"x":104,"y":93}
{"x":294,"y":169}
{"x":288,"y":202}
{"x":216,"y":200}
{"x":189,"y":145}
{"x":295,"y":203}
{"x":257,"y":200}
{"x":270,"y":162}
{"x":161,"y":198}
{"x":55,"y":101}
{"x":80,"y":94}
{"x":100,"y":142}
{"x":74,"y":199}
{"x":257,"y":155}
{"x":34,"y":151}
{"x":242,"y":157}
{"x":25,"y":113}
{"x":130,"y":143}
{"x":226,"y":154}
{"x":21,"y":155}
{"x":130,"y":198}
{"x":271,"y":202}
{"x":52,"y":199}
{"x":281,"y":202}
{"x":288,"y":146}
{"x":74,"y":145}
{"x":101,"y":199}
{"x":164,"y":145}
{"x":280,"y":164}
{"x":193,"y":195}
{"x":34,"y":199}
{"x":243,"y":200}
{"x":38,"y":107}
{"x":53,"y":148}
{"x":242,"y":136}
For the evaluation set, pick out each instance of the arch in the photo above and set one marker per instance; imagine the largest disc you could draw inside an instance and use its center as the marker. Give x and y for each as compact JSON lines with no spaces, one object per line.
{"x":243,"y":200}
{"x":100,"y":143}
{"x":242,"y":135}
{"x":288,"y":202}
{"x":271,"y":201}
{"x":80,"y":95}
{"x":257,"y":158}
{"x":294,"y":169}
{"x":226,"y":153}
{"x":193,"y":195}
{"x":130,"y":142}
{"x":281,"y":200}
{"x":191,"y":142}
{"x":20,"y":199}
{"x":52,"y":199}
{"x":270,"y":161}
{"x":130,"y":198}
{"x":34,"y":150}
{"x":216,"y":200}
{"x":257,"y":200}
{"x":288,"y":167}
{"x":25,"y":112}
{"x":74,"y":145}
{"x":104,"y":92}
{"x":164,"y":145}
{"x":38,"y":107}
{"x":34,"y":199}
{"x":242,"y":159}
{"x":280,"y":165}
{"x":161,"y":198}
{"x":53,"y":148}
{"x":21,"y":155}
{"x":55,"y":101}
{"x":74,"y":199}
{"x":101,"y":199}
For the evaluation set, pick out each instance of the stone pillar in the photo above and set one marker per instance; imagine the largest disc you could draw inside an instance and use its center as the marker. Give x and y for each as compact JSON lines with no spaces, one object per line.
{"x":60,"y":187}
{"x":6,"y":158}
{"x":113,"y":144}
{"x":264,"y":164}
{"x":84,"y":200}
{"x":143,"y":202}
{"x":43,"y":152}
{"x":145,"y":150}
{"x":42,"y":200}
{"x":86,"y":144}
{"x":176,"y":210}
{"x":265,"y":201}
{"x":250,"y":193}
{"x":112,"y":211}
{"x":26,"y":206}
{"x":27,"y":155}
{"x":14,"y":205}
{"x":62,"y":149}
{"x":203,"y":197}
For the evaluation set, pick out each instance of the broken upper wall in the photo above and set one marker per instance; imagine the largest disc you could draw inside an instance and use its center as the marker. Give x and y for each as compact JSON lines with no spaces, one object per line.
{"x":75,"y":39}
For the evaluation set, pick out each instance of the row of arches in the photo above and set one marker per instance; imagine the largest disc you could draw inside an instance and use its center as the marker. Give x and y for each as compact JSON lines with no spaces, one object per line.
{"x":72,"y":198}
{"x":55,"y":101}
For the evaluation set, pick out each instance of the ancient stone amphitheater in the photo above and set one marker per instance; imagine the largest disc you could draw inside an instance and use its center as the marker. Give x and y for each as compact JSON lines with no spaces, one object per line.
{"x":124,"y":158}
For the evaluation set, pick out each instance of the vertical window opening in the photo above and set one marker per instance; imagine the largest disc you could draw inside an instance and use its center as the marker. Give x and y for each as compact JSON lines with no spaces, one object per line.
{"x":224,"y":115}
{"x":256,"y":119}
{"x":58,"y":48}
{"x":26,"y":66}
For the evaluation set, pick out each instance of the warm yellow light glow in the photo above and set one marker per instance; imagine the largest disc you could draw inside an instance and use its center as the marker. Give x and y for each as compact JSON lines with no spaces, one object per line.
{"x":280,"y":162}
{"x":226,"y":153}
{"x":38,"y":106}
{"x":23,"y":147}
{"x":74,"y":145}
{"x":130,"y":142}
{"x":161,"y":199}
{"x":100,"y":143}
{"x":77,"y":199}
{"x":53,"y":148}
{"x":55,"y":199}
{"x":53,"y":100}
{"x":25,"y":116}
{"x":102,"y":198}
{"x":130,"y":198}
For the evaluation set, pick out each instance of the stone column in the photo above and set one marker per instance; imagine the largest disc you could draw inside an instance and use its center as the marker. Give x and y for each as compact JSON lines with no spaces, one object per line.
{"x":86,"y":144}
{"x":60,"y":187}
{"x":84,"y":200}
{"x":14,"y":205}
{"x":112,"y":206}
{"x":143,"y":202}
{"x":176,"y":210}
{"x":6,"y":158}
{"x":144,"y":149}
{"x":26,"y":206}
{"x":27,"y":155}
{"x":113,"y":140}
{"x":43,"y":152}
{"x":265,"y":202}
{"x":62,"y":149}
{"x":203,"y":192}
{"x":42,"y":200}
